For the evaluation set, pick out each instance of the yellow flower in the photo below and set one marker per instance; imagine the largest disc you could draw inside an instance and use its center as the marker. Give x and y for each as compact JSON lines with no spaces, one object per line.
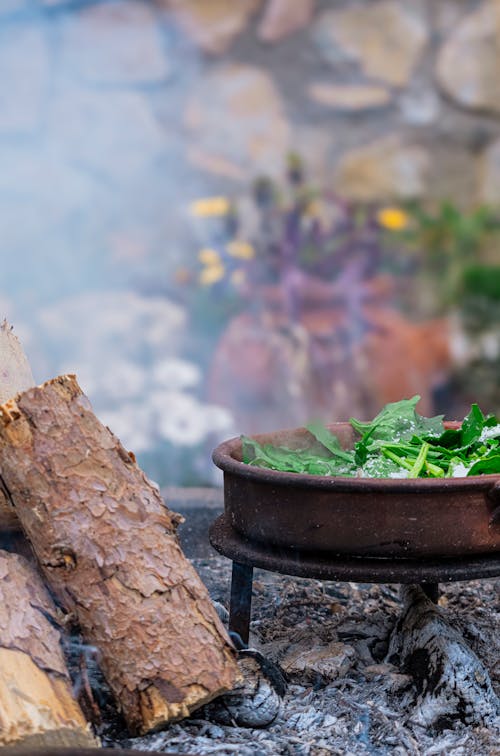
{"x":313,"y":209}
{"x":211,"y":274}
{"x":392,"y":218}
{"x":210,"y":206}
{"x":238,"y":277}
{"x":209,"y":257}
{"x":241,"y":249}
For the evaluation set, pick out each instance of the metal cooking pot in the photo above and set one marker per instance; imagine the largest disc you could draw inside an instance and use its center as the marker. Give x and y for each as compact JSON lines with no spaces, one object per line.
{"x":358,"y":516}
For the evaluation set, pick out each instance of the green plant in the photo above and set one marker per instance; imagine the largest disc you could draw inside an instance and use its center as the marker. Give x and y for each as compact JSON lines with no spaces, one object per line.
{"x":449,"y":242}
{"x":301,"y":234}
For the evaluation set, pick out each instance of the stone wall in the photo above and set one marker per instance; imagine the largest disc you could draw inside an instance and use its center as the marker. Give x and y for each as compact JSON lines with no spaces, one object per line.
{"x":388,"y":99}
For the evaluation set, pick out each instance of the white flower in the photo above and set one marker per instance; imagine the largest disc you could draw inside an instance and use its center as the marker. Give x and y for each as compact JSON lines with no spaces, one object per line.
{"x":97,"y":323}
{"x":115,"y":379}
{"x":122,"y":379}
{"x":217,"y":419}
{"x":179,"y":420}
{"x":173,"y":374}
{"x":182,"y":419}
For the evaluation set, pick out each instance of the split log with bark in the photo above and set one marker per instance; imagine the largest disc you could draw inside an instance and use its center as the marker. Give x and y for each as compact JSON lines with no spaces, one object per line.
{"x":108,"y":548}
{"x":37,"y":707}
{"x":451,"y":682}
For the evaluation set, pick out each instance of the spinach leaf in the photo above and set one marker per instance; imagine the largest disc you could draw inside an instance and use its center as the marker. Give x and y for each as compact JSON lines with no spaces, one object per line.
{"x":472,"y":426}
{"x":487,"y":465}
{"x":399,"y":421}
{"x":397,"y":443}
{"x":329,"y":441}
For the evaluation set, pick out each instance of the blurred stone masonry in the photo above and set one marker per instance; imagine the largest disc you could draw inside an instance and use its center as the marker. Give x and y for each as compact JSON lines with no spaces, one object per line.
{"x":115,"y":115}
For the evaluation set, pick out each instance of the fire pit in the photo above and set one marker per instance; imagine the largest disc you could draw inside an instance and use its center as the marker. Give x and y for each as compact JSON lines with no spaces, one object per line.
{"x":369,"y":530}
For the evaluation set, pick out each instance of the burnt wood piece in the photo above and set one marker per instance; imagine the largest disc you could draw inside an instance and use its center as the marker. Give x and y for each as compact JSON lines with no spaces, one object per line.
{"x":37,"y":708}
{"x":109,"y":551}
{"x":431,"y":590}
{"x":15,"y":376}
{"x":256,"y":700}
{"x":451,"y":683}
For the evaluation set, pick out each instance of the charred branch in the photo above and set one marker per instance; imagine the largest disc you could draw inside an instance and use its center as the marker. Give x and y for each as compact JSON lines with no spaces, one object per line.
{"x":451,"y":683}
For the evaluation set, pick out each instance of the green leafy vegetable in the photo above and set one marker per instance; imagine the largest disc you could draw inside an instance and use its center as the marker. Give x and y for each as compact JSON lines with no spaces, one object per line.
{"x":329,"y":441}
{"x":419,"y":463}
{"x":397,"y":443}
{"x":400,"y":421}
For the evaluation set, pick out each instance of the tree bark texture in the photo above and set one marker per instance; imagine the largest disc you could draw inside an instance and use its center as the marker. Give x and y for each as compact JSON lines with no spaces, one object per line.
{"x":37,"y":708}
{"x":15,"y":376}
{"x":451,"y":682}
{"x":108,"y":548}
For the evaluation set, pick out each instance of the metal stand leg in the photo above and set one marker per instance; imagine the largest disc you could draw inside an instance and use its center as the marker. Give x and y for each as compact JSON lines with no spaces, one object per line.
{"x":240,"y":605}
{"x":431,"y":590}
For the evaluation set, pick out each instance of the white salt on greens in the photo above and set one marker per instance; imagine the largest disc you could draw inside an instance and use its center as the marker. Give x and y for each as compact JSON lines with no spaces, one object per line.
{"x":397,"y":443}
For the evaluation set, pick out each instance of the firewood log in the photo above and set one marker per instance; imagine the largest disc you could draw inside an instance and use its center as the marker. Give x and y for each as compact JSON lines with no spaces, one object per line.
{"x":451,"y":683}
{"x":15,"y":376}
{"x":109,"y":551}
{"x":37,"y":708}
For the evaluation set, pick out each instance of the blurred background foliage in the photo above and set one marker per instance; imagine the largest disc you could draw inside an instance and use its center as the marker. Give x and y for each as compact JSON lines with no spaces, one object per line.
{"x":332,"y":267}
{"x":232,"y":216}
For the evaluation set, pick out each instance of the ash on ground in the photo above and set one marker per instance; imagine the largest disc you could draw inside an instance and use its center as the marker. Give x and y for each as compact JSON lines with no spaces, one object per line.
{"x":331,"y":639}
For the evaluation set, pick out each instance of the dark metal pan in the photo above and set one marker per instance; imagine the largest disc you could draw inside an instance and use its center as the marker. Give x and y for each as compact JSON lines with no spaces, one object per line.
{"x":358,"y":516}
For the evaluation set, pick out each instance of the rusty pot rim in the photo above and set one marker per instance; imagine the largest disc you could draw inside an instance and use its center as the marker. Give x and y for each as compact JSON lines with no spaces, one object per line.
{"x":223,"y":457}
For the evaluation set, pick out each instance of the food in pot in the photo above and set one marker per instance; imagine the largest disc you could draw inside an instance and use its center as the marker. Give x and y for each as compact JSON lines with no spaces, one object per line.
{"x":397,"y":443}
